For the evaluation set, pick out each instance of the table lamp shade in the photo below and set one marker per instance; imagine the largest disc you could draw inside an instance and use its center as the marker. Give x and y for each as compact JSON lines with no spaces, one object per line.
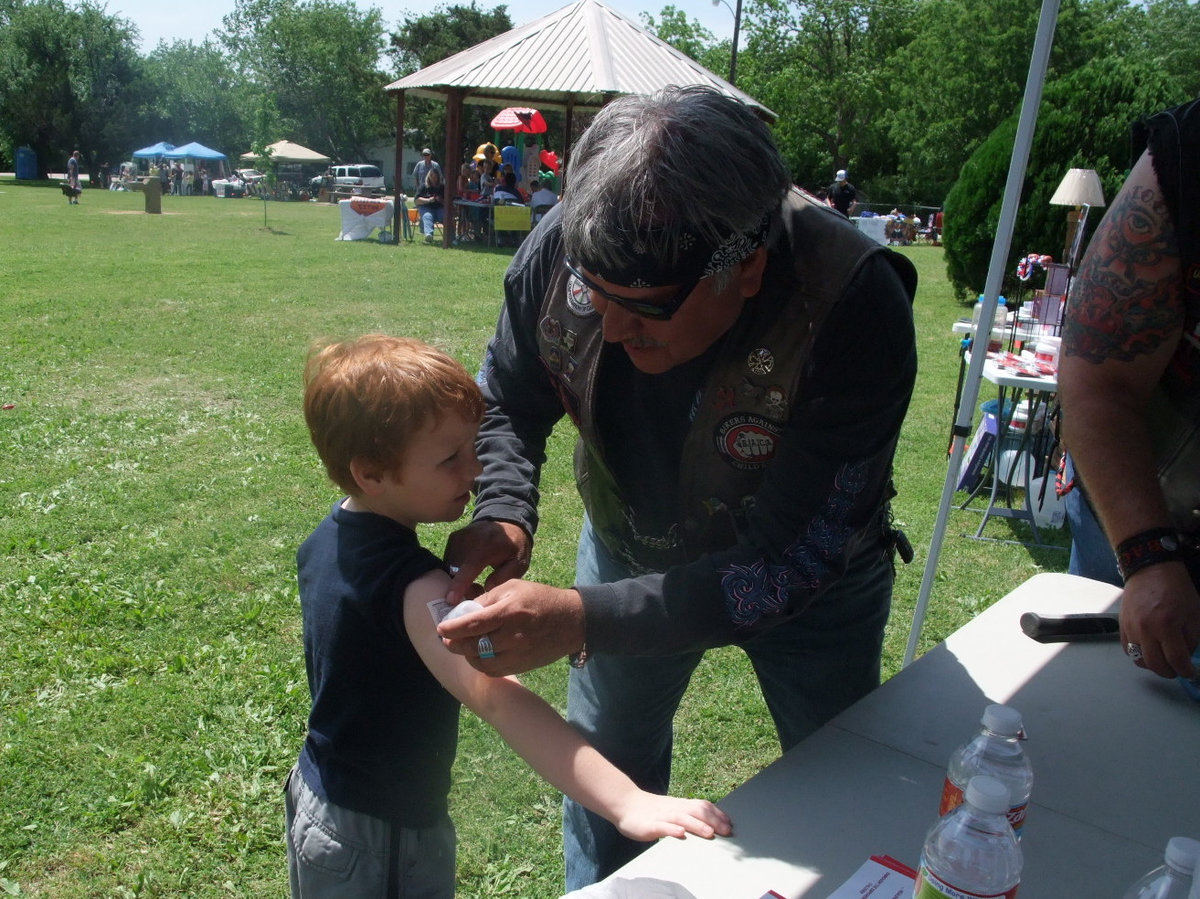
{"x":1079,"y":187}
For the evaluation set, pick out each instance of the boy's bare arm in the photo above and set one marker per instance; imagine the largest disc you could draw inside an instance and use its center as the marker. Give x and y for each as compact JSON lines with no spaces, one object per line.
{"x":551,"y":746}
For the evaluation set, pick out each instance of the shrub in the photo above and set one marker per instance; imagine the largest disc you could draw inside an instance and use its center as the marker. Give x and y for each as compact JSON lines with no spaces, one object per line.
{"x":1083,"y":122}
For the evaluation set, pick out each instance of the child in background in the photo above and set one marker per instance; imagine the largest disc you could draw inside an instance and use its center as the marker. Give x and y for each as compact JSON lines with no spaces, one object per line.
{"x":394,"y":421}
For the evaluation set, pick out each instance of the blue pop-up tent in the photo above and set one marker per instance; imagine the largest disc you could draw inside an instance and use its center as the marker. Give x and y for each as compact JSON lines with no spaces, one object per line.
{"x":192,"y":151}
{"x":153,"y":152}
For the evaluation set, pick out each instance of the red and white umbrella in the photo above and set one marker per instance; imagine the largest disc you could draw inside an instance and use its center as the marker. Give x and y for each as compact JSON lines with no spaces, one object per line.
{"x":521,"y":119}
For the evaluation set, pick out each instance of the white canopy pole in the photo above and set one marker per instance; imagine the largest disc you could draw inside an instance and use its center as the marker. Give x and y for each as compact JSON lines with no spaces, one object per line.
{"x":1004,"y":229}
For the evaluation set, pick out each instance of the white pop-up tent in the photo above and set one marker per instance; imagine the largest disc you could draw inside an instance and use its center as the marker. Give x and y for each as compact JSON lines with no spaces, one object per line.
{"x":287,"y":151}
{"x":1000,"y":247}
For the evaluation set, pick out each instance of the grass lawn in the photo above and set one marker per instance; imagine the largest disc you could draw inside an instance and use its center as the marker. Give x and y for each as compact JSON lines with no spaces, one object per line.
{"x":157,"y":479}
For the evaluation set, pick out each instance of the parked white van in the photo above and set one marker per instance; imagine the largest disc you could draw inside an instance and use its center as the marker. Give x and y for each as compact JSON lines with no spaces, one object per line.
{"x":365,"y":177}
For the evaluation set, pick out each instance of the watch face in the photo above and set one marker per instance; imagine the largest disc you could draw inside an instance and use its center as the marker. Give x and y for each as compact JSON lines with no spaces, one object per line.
{"x":1169,"y":543}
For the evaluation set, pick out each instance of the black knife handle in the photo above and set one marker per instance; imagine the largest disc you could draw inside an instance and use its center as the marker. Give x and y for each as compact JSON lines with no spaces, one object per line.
{"x":1070,"y":628}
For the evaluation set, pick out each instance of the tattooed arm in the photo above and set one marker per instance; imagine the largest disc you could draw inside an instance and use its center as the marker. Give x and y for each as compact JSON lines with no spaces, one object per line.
{"x":1123,"y":325}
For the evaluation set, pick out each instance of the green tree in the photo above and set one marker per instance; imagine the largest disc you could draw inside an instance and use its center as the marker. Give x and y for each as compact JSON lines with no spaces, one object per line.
{"x":1083,"y":122}
{"x":70,"y":78}
{"x":264,"y":124}
{"x":199,"y":96}
{"x":421,"y":41}
{"x":688,"y":36}
{"x":825,"y":67}
{"x":318,"y":61}
{"x":1170,"y":39}
{"x":965,"y":70}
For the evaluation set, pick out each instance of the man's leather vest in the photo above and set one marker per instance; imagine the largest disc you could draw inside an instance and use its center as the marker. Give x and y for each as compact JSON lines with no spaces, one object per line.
{"x":747,"y":395}
{"x":1173,"y":138}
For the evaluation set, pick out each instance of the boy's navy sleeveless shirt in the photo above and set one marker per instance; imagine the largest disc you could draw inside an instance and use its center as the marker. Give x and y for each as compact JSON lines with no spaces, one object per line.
{"x":382,"y":732}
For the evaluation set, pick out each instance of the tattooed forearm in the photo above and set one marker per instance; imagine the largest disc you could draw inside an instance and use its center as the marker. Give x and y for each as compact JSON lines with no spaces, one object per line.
{"x":1125,"y":301}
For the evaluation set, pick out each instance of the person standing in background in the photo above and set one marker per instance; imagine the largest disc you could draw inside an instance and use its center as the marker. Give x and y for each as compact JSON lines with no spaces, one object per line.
{"x":73,"y":177}
{"x":422,"y":169}
{"x":842,"y":195}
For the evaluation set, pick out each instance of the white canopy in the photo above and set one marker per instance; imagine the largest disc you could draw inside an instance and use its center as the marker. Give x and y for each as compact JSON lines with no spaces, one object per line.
{"x":286,"y":151}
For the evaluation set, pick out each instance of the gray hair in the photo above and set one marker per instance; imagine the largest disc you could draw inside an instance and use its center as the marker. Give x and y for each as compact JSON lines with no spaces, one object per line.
{"x":653,"y":172}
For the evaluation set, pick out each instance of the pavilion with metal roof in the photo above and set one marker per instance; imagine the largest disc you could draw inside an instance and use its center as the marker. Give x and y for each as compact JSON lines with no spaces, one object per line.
{"x":574,"y":59}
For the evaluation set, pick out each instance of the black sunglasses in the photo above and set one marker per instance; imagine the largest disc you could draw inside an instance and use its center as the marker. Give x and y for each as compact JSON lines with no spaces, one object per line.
{"x":660,"y":312}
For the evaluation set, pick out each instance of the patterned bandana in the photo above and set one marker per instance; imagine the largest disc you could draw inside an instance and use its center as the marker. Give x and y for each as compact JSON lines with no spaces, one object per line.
{"x":695,"y":255}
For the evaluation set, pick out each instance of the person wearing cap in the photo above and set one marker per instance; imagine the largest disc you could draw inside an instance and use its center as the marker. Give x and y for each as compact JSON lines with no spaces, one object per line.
{"x":842,"y":195}
{"x":422,"y":169}
{"x":737,"y":359}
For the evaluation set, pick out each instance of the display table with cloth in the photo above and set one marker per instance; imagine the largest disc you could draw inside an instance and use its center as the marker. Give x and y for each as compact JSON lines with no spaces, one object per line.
{"x":362,"y":215}
{"x":1113,"y":749}
{"x":874,"y":226}
{"x":1013,"y":456}
{"x":224,"y":188}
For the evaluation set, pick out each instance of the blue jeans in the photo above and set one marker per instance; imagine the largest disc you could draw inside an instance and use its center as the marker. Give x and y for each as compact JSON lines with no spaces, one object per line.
{"x":336,"y":853}
{"x":809,"y":669}
{"x":1091,"y":553}
{"x":428,"y":217}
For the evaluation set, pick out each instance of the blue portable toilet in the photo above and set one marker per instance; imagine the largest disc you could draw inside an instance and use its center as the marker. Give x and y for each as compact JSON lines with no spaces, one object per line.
{"x":26,"y":164}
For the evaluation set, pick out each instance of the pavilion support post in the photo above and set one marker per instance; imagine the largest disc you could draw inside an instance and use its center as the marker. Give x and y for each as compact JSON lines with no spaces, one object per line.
{"x":454,"y":111}
{"x":569,"y":129}
{"x":398,"y":173}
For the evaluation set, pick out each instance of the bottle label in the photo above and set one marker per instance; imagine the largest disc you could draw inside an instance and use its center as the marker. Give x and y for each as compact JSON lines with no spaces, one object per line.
{"x":952,"y":798}
{"x":1016,"y":817}
{"x":930,"y":886}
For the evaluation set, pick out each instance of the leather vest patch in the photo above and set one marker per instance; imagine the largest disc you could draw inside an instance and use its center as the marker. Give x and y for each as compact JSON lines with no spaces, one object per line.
{"x":747,"y":441}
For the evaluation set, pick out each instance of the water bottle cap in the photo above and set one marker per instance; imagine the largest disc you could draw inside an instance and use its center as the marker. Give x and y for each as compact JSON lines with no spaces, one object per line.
{"x":1002,"y":719}
{"x":987,"y":794}
{"x":1183,"y":853}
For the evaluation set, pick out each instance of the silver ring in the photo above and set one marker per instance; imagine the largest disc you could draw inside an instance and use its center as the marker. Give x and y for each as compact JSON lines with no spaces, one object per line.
{"x":485,"y":648}
{"x":1134,"y":651}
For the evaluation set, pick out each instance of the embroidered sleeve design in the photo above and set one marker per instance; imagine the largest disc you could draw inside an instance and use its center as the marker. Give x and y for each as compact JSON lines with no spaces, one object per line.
{"x":758,"y":589}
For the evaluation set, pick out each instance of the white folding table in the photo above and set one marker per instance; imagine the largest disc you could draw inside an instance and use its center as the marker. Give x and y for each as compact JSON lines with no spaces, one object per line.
{"x":1114,"y":751}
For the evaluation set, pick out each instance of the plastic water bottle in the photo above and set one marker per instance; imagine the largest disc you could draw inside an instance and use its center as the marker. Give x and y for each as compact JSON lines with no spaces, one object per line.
{"x":1172,"y":880}
{"x":997,"y":751}
{"x":972,"y":851}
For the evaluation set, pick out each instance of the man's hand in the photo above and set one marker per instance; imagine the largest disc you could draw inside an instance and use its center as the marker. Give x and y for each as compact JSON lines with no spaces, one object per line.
{"x":529,"y":624}
{"x":499,"y":545}
{"x":1160,"y":614}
